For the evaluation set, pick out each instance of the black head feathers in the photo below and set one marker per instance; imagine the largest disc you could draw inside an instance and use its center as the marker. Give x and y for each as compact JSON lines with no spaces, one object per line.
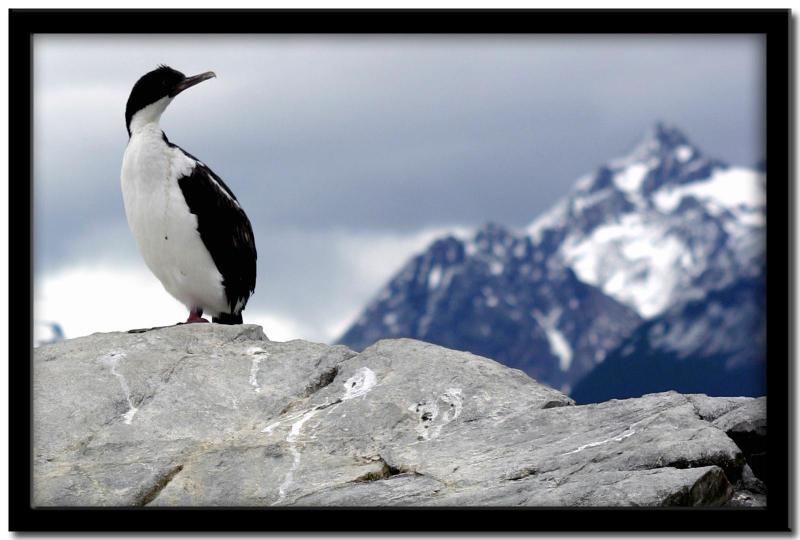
{"x":162,"y":82}
{"x":150,"y":88}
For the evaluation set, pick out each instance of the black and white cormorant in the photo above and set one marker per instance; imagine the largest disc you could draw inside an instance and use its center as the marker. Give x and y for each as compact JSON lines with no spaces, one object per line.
{"x":189,"y":226}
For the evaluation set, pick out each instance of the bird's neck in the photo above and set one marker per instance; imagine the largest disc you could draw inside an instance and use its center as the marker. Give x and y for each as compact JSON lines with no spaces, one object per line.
{"x":148,"y":116}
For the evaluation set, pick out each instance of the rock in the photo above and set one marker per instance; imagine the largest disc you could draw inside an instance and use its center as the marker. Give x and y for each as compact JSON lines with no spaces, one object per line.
{"x":218,"y":415}
{"x":747,"y":499}
{"x":744,"y":420}
{"x":711,"y":408}
{"x":747,"y":426}
{"x":749,"y":491}
{"x":750,"y":418}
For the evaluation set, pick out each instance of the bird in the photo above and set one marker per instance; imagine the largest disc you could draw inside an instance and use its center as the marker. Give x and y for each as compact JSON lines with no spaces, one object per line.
{"x":189,"y":227}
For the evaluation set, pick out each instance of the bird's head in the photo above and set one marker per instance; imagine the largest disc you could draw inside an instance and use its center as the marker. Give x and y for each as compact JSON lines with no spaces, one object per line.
{"x":154,"y":91}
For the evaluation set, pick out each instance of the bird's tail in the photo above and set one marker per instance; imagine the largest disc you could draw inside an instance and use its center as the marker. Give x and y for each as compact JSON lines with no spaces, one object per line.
{"x":228,"y":318}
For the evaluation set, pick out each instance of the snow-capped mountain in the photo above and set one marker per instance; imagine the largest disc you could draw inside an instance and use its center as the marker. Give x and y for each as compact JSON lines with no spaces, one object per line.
{"x":662,"y":225}
{"x":657,"y":228}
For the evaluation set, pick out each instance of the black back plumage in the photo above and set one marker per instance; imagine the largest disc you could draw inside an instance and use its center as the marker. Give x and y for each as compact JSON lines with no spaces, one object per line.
{"x":225,"y":231}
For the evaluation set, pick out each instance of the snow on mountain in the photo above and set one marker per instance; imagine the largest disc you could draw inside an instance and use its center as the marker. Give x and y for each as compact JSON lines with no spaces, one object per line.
{"x":661,"y":225}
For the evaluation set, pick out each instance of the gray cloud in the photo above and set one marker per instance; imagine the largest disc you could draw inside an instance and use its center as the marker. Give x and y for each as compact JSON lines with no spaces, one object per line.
{"x":383,"y":134}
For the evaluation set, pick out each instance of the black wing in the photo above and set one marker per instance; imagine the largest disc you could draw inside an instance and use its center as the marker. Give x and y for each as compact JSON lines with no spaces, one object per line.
{"x":225,"y":230}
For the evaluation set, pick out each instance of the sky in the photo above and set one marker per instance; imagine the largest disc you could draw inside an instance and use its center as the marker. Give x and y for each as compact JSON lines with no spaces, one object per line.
{"x":351,"y":153}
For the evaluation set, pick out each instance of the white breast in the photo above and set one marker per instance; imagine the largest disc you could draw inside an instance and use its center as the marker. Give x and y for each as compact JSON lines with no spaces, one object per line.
{"x":164,"y":229}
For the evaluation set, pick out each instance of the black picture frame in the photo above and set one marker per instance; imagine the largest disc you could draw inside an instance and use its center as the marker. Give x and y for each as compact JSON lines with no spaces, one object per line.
{"x":774,"y":24}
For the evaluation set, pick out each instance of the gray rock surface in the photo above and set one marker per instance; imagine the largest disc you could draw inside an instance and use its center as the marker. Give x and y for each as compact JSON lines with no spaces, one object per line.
{"x":208,"y":415}
{"x":748,"y":418}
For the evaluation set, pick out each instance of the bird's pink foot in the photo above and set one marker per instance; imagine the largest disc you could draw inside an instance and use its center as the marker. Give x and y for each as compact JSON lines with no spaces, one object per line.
{"x":196,"y":316}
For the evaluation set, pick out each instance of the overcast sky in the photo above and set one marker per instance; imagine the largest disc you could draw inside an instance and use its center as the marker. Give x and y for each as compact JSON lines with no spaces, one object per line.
{"x":351,"y":153}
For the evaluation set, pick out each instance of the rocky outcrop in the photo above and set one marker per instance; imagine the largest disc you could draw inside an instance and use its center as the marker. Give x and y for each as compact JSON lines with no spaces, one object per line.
{"x":218,"y":415}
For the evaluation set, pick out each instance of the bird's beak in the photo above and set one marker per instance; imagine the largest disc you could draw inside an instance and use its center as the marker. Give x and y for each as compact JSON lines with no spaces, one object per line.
{"x":188,"y":82}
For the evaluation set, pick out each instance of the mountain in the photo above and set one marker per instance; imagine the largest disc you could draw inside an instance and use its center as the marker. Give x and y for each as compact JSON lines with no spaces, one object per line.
{"x":716,"y":345}
{"x":496,"y":295}
{"x":661,"y":227}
